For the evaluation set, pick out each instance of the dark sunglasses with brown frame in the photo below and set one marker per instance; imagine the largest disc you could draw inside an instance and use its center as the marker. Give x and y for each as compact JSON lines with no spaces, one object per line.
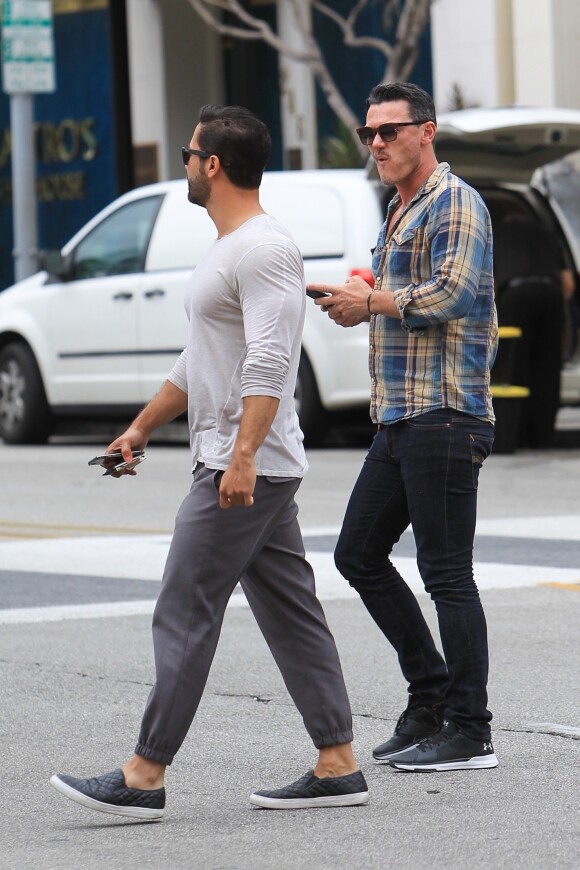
{"x":387,"y":132}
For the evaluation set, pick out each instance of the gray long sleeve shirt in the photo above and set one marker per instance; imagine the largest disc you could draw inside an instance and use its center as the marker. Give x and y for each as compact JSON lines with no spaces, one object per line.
{"x":245,"y":304}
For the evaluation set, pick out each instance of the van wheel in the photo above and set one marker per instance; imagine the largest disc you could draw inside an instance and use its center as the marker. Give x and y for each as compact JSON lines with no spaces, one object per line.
{"x":313,"y":418}
{"x":25,"y":417}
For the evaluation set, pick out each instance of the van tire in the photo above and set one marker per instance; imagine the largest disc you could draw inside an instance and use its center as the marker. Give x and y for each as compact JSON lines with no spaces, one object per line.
{"x":25,"y":417}
{"x":313,"y":418}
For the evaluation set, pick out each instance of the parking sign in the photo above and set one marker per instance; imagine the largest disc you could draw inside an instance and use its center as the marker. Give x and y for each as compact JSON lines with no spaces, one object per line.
{"x":27,"y":47}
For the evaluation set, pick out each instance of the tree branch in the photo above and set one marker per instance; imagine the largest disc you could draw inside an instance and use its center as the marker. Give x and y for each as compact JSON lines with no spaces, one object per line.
{"x":412,"y":22}
{"x":400,"y":54}
{"x":347,"y":26}
{"x":257,"y":28}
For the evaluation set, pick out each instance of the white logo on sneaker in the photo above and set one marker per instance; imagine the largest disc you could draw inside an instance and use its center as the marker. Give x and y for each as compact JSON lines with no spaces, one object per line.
{"x":487,"y":747}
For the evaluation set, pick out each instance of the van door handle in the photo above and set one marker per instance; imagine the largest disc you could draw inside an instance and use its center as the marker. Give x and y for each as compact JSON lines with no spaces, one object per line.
{"x":150,"y":294}
{"x":123,"y":295}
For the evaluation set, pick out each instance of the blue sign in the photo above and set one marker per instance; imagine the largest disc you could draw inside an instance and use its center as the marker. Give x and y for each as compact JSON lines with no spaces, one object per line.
{"x":75,"y":137}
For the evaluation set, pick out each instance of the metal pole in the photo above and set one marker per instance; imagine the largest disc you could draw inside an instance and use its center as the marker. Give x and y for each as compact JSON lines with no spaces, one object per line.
{"x":23,"y":186}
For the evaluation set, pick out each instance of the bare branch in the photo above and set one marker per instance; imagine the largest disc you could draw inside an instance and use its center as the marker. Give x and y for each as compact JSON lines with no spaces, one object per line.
{"x":400,"y":54}
{"x":257,"y":28}
{"x":412,"y":22}
{"x":347,"y":26}
{"x":320,"y":70}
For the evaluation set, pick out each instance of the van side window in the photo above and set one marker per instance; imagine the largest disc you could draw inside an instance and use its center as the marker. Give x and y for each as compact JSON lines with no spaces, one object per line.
{"x":118,"y":245}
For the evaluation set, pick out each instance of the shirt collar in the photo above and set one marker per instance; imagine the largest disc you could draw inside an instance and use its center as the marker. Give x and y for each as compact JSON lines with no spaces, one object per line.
{"x":428,"y":185}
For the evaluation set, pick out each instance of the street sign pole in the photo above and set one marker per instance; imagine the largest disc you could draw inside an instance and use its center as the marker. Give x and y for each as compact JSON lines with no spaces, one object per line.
{"x":25,"y":251}
{"x":27,"y":69}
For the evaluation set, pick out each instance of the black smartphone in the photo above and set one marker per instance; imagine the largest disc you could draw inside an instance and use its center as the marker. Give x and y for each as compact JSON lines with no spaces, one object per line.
{"x":108,"y":459}
{"x":316,"y":294}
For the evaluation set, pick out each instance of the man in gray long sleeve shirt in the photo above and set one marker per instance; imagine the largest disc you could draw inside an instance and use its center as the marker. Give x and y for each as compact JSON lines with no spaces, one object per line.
{"x":245,"y":305}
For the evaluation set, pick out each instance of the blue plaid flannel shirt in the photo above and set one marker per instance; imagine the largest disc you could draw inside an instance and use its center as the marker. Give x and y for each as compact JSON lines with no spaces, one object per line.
{"x":438,"y":262}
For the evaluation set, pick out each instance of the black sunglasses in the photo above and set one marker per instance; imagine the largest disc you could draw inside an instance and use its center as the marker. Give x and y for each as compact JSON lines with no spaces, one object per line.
{"x":387,"y":132}
{"x":187,"y":152}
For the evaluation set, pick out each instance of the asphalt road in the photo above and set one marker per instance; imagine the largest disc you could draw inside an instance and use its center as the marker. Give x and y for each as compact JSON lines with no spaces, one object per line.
{"x":80,"y":558}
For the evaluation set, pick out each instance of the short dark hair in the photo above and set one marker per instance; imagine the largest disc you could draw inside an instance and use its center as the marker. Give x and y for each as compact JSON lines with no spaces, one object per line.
{"x":239,"y":139}
{"x":420,"y":102}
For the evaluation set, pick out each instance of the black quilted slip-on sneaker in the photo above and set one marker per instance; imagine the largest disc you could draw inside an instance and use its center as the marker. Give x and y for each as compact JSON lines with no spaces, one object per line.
{"x":448,"y":749}
{"x":310,"y":791}
{"x":108,"y":793}
{"x":414,"y":724}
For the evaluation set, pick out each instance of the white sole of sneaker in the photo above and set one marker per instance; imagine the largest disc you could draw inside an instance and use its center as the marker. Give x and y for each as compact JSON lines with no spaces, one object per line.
{"x":481,"y":762}
{"x":143,"y":813}
{"x":339,"y":800}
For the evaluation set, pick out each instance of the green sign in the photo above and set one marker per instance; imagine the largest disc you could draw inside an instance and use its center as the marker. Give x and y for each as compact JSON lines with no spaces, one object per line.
{"x":27,"y":47}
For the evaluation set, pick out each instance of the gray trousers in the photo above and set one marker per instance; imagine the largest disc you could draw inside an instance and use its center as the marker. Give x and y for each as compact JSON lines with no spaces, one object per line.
{"x":261,"y":547}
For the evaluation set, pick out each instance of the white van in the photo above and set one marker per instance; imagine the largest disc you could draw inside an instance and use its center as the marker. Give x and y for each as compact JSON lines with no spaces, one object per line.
{"x":95,"y":334}
{"x":517,"y":158}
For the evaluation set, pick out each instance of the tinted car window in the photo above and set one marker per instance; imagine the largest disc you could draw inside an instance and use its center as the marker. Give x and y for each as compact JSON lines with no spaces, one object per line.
{"x":117,"y":246}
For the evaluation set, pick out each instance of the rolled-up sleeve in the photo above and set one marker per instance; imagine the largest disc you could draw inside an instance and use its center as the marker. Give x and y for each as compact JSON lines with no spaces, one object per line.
{"x":272,"y":296}
{"x":454,"y":251}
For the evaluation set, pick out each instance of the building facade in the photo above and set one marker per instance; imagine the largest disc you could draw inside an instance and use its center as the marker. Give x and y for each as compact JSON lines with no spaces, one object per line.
{"x":506,"y":52}
{"x":131,"y":76}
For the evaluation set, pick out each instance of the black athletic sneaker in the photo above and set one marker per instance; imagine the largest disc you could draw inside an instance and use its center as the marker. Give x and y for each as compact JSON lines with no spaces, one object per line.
{"x":108,"y":793}
{"x":310,"y":791}
{"x":448,"y":749}
{"x":414,"y":725}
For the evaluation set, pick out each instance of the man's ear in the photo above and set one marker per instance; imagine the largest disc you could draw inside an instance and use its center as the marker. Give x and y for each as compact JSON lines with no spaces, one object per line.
{"x":429,"y":131}
{"x":212,"y":165}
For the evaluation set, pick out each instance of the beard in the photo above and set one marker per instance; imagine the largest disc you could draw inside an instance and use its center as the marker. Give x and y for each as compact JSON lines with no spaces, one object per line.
{"x":391,"y":173}
{"x":198,"y":190}
{"x":398,"y":168}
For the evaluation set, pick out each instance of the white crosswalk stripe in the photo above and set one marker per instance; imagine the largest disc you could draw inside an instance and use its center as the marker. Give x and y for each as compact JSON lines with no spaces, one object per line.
{"x":142,"y":557}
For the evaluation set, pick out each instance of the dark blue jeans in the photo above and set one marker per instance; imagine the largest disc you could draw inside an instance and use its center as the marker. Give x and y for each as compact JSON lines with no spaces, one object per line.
{"x":424,"y":471}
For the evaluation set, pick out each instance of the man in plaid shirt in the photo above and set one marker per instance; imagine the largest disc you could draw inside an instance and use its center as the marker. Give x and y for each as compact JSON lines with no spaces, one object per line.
{"x":433,"y":338}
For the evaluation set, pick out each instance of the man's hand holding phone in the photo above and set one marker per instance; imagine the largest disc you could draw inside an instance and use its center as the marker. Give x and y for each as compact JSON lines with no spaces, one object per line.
{"x":316,"y":292}
{"x":346,"y":304}
{"x":123,"y":454}
{"x":116,"y":464}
